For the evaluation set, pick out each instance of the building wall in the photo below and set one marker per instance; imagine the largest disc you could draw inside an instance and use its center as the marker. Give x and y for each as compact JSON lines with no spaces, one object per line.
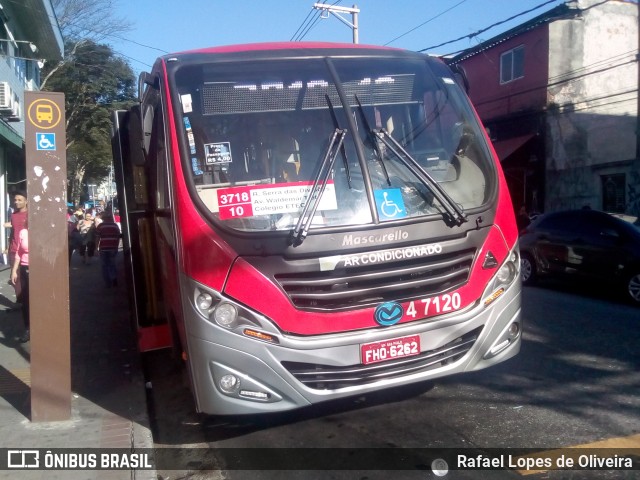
{"x":593,"y":105}
{"x":11,"y":71}
{"x":512,"y":110}
{"x":493,"y":99}
{"x":24,"y":21}
{"x":11,"y":156}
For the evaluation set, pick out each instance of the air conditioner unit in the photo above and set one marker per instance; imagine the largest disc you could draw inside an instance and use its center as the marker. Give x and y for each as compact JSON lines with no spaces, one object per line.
{"x":16,"y":113}
{"x":5,"y":97}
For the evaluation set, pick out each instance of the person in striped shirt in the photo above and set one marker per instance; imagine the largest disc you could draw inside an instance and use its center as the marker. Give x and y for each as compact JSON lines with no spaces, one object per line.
{"x":108,"y":234}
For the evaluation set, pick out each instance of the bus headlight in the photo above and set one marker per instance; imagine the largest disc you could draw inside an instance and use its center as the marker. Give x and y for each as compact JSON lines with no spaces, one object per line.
{"x":225,"y":315}
{"x":507,"y":272}
{"x":220,"y":311}
{"x":204,"y":302}
{"x":505,"y":276}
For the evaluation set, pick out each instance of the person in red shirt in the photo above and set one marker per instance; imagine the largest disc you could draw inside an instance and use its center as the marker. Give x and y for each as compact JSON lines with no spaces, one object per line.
{"x":20,"y":274}
{"x":17,"y":222}
{"x":108,"y":234}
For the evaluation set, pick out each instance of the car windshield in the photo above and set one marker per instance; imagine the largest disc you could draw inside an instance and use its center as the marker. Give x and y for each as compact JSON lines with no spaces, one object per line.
{"x":264,"y":137}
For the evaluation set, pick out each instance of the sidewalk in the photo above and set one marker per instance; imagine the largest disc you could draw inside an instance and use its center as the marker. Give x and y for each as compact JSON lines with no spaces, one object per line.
{"x":108,"y":404}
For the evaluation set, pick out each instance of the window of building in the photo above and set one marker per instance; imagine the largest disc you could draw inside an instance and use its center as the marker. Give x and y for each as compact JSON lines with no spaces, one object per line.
{"x":512,"y":64}
{"x":614,"y":193}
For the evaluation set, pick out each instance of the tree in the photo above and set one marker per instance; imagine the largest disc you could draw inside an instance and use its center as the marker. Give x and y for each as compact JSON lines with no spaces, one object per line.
{"x":81,"y":21}
{"x":95,"y":82}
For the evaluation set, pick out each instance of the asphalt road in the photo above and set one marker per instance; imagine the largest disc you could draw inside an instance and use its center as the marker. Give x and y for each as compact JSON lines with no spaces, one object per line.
{"x":576,"y":381}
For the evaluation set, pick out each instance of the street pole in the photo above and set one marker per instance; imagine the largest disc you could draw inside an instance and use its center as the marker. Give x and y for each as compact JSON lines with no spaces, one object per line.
{"x":336,"y":11}
{"x":354,"y":17}
{"x":46,"y":160}
{"x":93,"y":194}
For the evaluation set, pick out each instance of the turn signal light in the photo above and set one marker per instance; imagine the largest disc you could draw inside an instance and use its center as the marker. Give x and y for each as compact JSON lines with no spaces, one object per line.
{"x":491,"y":298}
{"x":260,"y":335}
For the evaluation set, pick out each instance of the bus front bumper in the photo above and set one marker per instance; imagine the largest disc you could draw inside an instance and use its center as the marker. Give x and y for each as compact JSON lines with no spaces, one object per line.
{"x":234,"y":374}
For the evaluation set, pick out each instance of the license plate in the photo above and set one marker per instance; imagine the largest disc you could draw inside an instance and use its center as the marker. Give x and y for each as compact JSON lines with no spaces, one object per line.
{"x":389,"y":349}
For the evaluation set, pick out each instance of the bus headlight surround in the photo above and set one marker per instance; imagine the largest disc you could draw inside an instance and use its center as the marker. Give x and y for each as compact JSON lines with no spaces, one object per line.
{"x":219,"y":311}
{"x":505,"y":276}
{"x":225,"y":315}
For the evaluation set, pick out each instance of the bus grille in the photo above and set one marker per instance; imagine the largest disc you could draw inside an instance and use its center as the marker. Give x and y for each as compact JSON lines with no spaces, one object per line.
{"x":327,"y":377}
{"x":357,"y":287}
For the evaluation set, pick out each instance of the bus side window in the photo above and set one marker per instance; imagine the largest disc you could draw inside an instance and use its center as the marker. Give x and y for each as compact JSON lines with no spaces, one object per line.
{"x":162,"y":175}
{"x":136,"y":153}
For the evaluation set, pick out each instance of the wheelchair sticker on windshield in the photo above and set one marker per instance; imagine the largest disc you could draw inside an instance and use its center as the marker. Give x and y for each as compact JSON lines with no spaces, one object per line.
{"x":390,"y":204}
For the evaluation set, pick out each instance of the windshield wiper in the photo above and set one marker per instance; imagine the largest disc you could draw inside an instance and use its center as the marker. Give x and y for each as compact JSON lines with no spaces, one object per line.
{"x":454,"y":214}
{"x":301,"y":230}
{"x":374,"y":141}
{"x":336,"y":124}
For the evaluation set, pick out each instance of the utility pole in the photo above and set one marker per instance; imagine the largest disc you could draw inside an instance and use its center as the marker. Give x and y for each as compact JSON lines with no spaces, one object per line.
{"x":337,"y":11}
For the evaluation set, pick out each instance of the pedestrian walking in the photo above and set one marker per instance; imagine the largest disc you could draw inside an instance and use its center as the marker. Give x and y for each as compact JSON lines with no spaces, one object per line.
{"x":87,"y":230}
{"x":522,"y":219}
{"x":108,"y":234}
{"x":75,"y":239}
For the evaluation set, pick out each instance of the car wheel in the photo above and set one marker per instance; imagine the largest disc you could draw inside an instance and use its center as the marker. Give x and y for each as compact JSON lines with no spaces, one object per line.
{"x":527,"y":270}
{"x":633,"y":288}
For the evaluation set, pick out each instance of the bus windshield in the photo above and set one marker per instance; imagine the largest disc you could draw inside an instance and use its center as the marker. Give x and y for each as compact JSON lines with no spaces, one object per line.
{"x":260,"y":139}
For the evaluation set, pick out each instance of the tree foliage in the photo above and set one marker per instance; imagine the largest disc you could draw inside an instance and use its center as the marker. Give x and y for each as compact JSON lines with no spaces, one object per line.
{"x":82,"y":20}
{"x":95,"y":82}
{"x":89,"y":19}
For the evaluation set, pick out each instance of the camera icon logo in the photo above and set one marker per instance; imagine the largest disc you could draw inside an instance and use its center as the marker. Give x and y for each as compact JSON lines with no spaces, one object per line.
{"x":23,"y":459}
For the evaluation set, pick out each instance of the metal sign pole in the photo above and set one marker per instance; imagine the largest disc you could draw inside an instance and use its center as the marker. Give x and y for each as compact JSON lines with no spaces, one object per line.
{"x":46,"y":160}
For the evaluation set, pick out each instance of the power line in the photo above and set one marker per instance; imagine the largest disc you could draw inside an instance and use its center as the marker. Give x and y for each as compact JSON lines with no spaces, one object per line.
{"x":546,"y":85}
{"x":311,"y":11}
{"x":565,"y":110}
{"x":475,"y":34}
{"x":424,"y":23}
{"x":608,"y":60}
{"x":314,"y":22}
{"x":304,"y":34}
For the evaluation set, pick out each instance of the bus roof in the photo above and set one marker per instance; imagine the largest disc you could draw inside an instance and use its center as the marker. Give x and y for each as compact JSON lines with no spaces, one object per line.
{"x":247,"y":47}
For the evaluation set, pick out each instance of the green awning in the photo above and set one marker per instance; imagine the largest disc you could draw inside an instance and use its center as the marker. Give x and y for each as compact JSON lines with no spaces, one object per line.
{"x":11,"y":136}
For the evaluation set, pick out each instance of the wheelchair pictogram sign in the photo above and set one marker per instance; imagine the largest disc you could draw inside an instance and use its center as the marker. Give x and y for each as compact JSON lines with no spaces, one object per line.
{"x":45,"y":141}
{"x":390,"y":204}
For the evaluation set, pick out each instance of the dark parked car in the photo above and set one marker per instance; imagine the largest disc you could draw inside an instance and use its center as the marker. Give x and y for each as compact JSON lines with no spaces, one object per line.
{"x":583,"y":244}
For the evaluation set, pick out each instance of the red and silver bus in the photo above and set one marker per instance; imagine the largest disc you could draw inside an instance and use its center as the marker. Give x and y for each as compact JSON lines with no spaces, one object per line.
{"x":310,"y":221}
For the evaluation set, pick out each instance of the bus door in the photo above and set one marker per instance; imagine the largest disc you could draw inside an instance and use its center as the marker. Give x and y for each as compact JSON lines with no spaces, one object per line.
{"x":139,"y":242}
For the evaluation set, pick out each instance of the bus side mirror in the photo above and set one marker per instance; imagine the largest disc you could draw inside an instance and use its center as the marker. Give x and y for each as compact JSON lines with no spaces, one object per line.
{"x":460,"y":76}
{"x":146,"y":80}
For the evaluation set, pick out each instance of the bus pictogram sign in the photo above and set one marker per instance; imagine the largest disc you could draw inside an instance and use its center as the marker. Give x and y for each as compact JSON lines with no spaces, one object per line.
{"x":44,"y":114}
